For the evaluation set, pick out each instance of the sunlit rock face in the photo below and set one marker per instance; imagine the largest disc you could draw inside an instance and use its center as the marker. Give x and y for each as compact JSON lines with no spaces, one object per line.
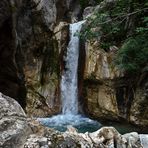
{"x":99,"y":64}
{"x":99,"y":80}
{"x":100,"y":74}
{"x":108,"y":92}
{"x":101,"y":100}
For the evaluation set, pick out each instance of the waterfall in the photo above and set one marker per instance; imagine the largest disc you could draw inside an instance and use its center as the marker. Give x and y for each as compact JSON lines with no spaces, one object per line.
{"x":69,"y":91}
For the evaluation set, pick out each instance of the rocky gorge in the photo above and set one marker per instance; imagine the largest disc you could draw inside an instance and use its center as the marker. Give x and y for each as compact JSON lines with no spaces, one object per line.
{"x":34,"y":36}
{"x":19,"y":132}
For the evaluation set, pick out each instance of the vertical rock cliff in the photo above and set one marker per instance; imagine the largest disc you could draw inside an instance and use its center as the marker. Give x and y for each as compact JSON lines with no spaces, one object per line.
{"x":11,"y":81}
{"x":109,"y":93}
{"x":31,"y":51}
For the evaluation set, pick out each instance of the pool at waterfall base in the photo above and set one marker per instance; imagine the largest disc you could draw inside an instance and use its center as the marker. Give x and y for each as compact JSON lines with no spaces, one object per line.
{"x":61,"y":122}
{"x":84,"y":124}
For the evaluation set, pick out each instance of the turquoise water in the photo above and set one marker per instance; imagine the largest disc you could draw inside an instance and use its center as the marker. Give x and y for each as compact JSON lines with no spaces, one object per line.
{"x":61,"y":122}
{"x":84,"y":124}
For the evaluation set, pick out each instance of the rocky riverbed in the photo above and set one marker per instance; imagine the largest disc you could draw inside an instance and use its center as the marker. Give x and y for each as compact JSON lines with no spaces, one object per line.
{"x":18,"y":131}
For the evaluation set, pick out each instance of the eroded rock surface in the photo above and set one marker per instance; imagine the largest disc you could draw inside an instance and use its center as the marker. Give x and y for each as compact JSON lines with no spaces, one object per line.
{"x":14,"y":128}
{"x":30,"y":58}
{"x":109,"y":93}
{"x":16,"y":131}
{"x":106,"y":137}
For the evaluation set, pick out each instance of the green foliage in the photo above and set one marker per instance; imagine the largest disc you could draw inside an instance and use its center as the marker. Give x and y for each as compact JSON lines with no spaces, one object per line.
{"x":124,"y":25}
{"x":133,"y":55}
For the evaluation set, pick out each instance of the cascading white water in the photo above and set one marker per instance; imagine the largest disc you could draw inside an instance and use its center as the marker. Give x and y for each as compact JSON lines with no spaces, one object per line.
{"x":69,"y":92}
{"x":69,"y":78}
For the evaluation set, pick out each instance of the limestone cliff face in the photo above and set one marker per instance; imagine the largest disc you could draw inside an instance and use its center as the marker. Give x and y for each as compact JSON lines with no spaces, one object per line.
{"x":107,"y":92}
{"x":33,"y":40}
{"x":99,"y":83}
{"x":40,"y":39}
{"x":30,"y":56}
{"x":38,"y":49}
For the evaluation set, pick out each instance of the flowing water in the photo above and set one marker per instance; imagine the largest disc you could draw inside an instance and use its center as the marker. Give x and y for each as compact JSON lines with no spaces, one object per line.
{"x":69,"y":79}
{"x":69,"y":91}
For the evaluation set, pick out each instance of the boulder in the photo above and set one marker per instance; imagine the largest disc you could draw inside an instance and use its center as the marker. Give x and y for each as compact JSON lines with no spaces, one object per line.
{"x":144,"y":140}
{"x":18,"y":132}
{"x":14,"y":128}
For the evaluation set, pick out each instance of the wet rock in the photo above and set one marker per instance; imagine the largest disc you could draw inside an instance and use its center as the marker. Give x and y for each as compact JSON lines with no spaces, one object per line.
{"x":35,"y":24}
{"x":68,"y":10}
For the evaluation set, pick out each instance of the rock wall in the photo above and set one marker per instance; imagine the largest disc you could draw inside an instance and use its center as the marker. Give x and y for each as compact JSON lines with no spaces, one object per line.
{"x":14,"y":128}
{"x":99,"y":84}
{"x":139,"y":110}
{"x":11,"y":82}
{"x":43,"y":45}
{"x":108,"y":94}
{"x":40,"y":53}
{"x":30,"y":52}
